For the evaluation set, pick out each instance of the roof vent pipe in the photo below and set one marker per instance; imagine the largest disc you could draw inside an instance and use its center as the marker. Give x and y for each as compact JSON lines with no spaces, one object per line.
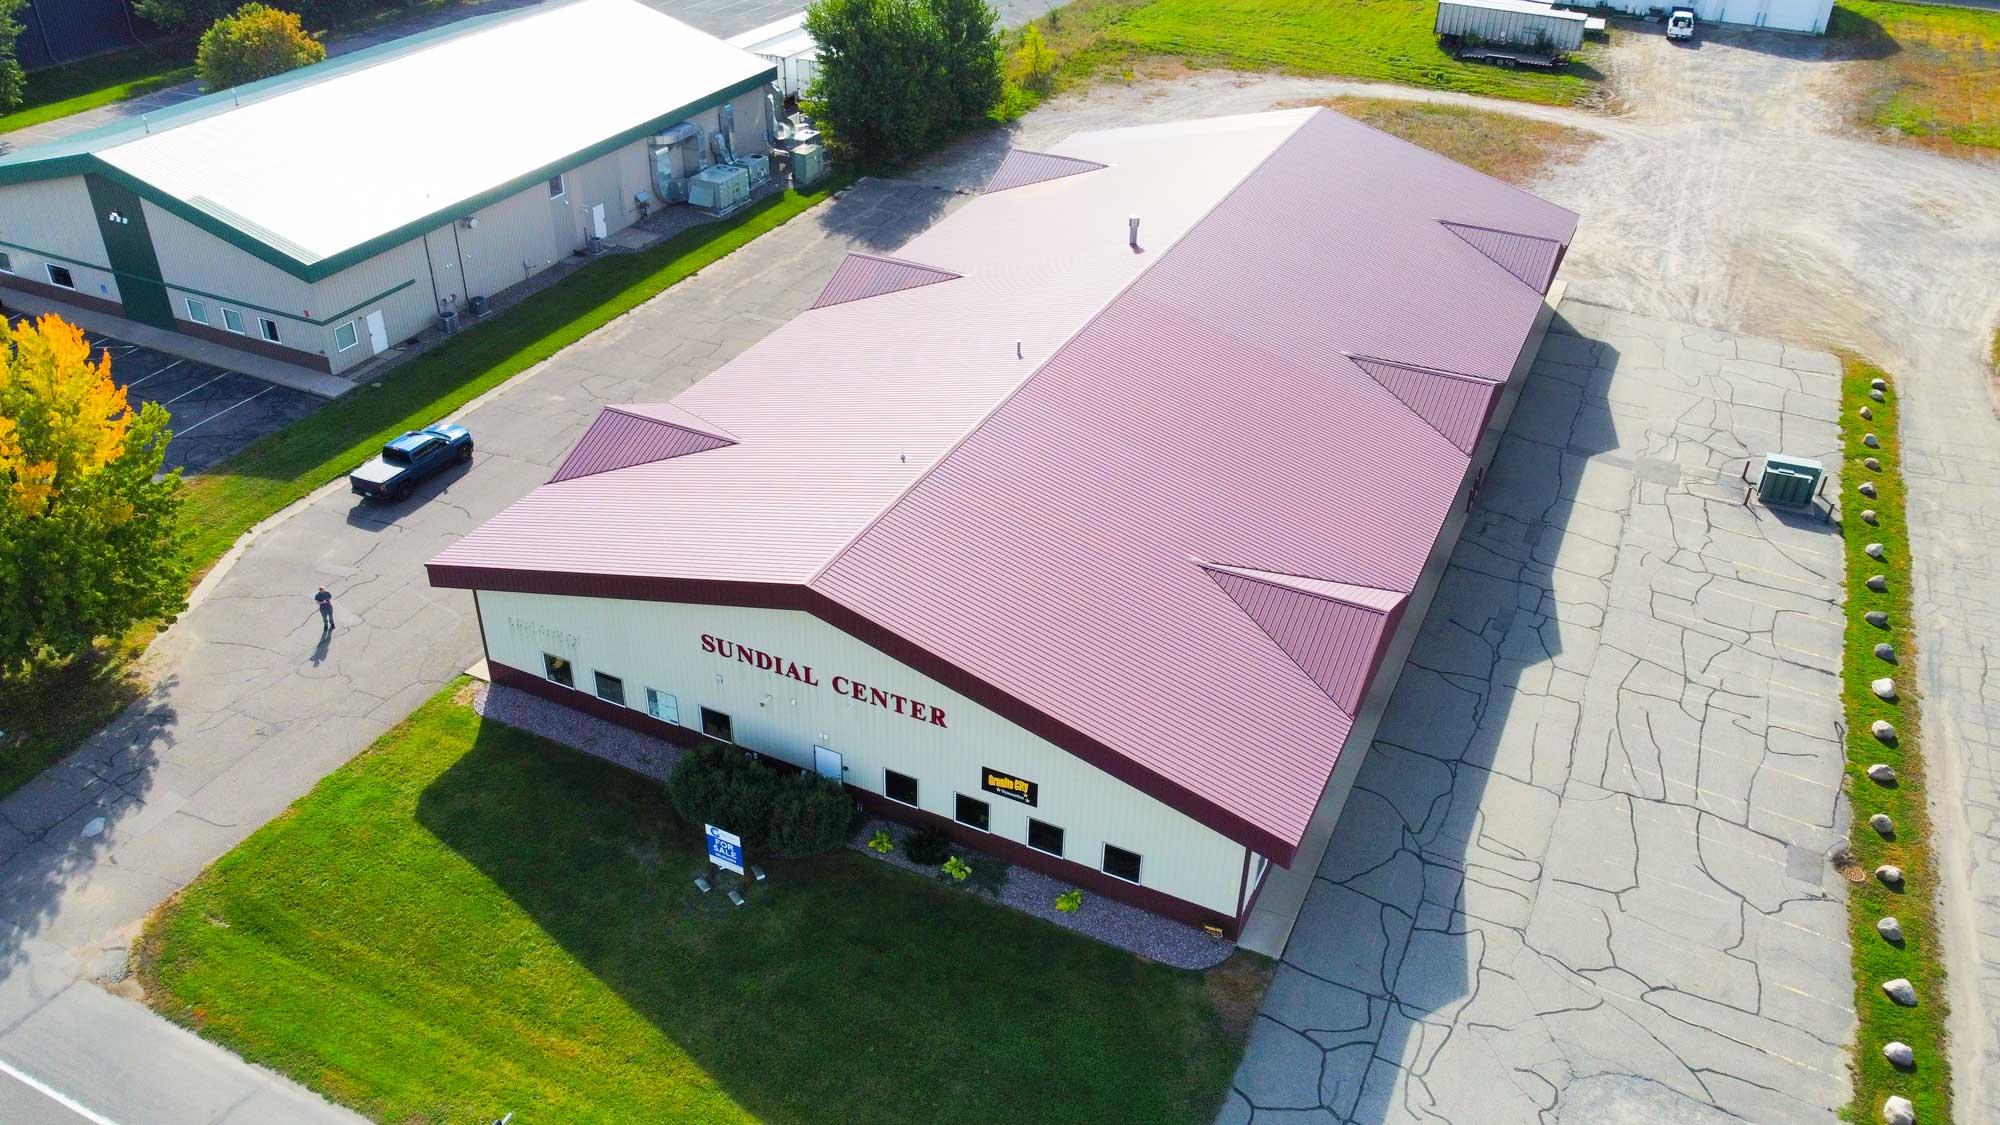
{"x":1132,"y":227}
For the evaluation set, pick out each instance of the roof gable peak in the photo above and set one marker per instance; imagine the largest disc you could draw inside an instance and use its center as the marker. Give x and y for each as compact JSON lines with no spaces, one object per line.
{"x":860,"y":276}
{"x":1532,"y":259}
{"x":1333,"y":631}
{"x":1022,"y":167}
{"x":624,"y":436}
{"x":1456,"y":406}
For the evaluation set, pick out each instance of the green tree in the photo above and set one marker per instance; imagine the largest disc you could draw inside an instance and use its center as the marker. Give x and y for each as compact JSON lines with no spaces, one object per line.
{"x":186,"y":15}
{"x":183,"y":15}
{"x":256,"y":42}
{"x":90,"y":534}
{"x":896,"y":77}
{"x":13,"y":83}
{"x":1034,"y":65}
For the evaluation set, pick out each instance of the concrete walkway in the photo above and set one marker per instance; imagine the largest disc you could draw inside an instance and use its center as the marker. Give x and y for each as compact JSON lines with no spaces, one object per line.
{"x":253,"y":705}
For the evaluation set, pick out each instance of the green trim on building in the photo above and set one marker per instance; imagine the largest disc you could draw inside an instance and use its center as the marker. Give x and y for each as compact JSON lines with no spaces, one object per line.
{"x":130,"y":247}
{"x":89,"y":163}
{"x":124,"y":276}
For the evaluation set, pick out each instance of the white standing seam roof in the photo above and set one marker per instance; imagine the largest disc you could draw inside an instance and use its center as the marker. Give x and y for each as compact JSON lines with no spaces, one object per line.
{"x":329,"y":165}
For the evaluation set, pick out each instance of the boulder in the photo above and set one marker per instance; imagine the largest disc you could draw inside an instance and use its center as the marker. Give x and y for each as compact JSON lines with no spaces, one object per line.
{"x":1867,"y":414}
{"x":1867,"y":488}
{"x":1884,"y":688}
{"x":1885,"y":651}
{"x":1884,"y":730}
{"x":1868,"y":516}
{"x":1898,"y":1111}
{"x":1874,"y":550}
{"x":1876,"y":617}
{"x":1882,"y":773}
{"x":1876,"y":394}
{"x":1891,"y":930}
{"x":1871,"y":441}
{"x":1878,"y":384}
{"x":1874,"y":464}
{"x":1900,"y":1054}
{"x":1890,"y":874}
{"x":1878,"y":582}
{"x":1881,"y":823}
{"x":1901,"y":991}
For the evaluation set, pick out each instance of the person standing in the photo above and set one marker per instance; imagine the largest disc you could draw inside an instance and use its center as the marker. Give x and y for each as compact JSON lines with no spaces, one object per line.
{"x":325,"y":601}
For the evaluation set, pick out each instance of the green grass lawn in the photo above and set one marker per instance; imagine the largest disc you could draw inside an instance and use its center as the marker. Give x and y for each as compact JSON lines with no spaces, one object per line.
{"x":62,"y":90}
{"x":1875,"y":960}
{"x":467,"y":920}
{"x":1387,"y":40}
{"x":1932,"y":72}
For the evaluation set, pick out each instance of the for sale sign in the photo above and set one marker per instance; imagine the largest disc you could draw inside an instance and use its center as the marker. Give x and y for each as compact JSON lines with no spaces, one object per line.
{"x":725,"y":849}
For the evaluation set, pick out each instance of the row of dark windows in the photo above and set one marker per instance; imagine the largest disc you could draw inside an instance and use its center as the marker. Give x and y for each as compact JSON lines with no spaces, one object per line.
{"x":900,"y":787}
{"x":1042,"y":836}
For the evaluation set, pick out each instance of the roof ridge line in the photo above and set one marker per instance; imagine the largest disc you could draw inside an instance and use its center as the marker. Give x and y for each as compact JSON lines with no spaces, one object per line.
{"x":1424,"y":368}
{"x":1084,"y":326}
{"x":1252,"y":572}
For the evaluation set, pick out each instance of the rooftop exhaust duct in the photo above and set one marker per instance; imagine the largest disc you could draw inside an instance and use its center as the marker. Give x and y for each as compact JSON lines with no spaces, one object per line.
{"x":1132,"y":231}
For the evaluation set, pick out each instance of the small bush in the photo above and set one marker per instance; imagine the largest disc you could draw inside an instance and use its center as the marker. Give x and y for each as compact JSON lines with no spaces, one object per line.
{"x":880,"y":843}
{"x":1070,"y":901}
{"x":810,"y":814}
{"x":255,"y":42}
{"x":1033,"y":64}
{"x":720,"y":785}
{"x":989,"y":874}
{"x":957,"y":868}
{"x":928,"y":846}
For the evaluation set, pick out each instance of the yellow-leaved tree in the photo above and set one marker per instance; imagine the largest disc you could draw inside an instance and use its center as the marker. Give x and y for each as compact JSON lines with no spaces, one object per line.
{"x":90,"y":533}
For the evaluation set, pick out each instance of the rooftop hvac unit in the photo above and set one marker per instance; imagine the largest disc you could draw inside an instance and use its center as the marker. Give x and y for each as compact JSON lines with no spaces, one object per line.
{"x":720,"y":189}
{"x":808,"y":165}
{"x":760,"y":169}
{"x":1789,"y":482}
{"x":801,"y":136}
{"x":448,"y":321}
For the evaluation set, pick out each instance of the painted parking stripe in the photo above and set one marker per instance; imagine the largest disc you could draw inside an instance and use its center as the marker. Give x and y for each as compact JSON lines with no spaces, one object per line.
{"x":184,"y":394}
{"x":205,"y":421}
{"x":53,"y":1094}
{"x":161,"y":371}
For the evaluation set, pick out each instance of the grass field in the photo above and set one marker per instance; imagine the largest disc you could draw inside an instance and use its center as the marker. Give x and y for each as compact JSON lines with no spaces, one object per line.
{"x":1932,"y":73}
{"x":1875,"y":960}
{"x":466,"y":920}
{"x":1502,"y":145}
{"x":63,"y":90}
{"x":1386,"y":40}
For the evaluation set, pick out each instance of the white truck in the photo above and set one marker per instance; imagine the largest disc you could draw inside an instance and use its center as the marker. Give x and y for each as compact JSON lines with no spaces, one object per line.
{"x":1680,"y":23}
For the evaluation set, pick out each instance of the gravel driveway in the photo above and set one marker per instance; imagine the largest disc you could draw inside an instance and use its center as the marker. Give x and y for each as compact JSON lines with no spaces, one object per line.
{"x":1729,"y":196}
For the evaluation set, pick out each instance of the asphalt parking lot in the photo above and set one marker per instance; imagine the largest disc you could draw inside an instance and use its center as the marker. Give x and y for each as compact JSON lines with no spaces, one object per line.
{"x":214,"y":411}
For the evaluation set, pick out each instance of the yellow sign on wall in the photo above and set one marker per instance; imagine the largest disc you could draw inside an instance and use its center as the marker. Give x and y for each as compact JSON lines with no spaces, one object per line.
{"x":1008,"y":786}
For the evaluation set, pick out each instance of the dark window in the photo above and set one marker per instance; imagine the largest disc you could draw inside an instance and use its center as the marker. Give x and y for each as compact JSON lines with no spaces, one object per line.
{"x":556,"y":188}
{"x":1044,"y":837}
{"x":6,"y":262}
{"x":59,"y":275}
{"x":899,"y":786}
{"x":611,"y":689}
{"x":1119,"y":862}
{"x":971,"y":812}
{"x":715,"y":724}
{"x":269,"y":327}
{"x":558,"y":670}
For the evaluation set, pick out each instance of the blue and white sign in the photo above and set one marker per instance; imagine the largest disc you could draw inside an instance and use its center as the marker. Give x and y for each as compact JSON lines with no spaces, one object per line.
{"x":725,"y":849}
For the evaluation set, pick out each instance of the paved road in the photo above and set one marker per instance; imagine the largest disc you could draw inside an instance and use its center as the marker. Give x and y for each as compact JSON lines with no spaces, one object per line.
{"x":254,"y":705}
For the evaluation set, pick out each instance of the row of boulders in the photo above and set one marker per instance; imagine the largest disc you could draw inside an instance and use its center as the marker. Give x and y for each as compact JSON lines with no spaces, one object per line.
{"x":1897,"y":1110}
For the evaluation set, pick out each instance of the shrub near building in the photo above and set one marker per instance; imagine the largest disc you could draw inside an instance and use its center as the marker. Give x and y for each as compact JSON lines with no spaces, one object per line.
{"x":785,"y":816}
{"x":896,"y":77}
{"x":256,"y":42}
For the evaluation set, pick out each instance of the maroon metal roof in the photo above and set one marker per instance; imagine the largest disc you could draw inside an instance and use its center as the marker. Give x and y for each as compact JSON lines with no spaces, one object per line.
{"x":870,"y":275}
{"x":1531,"y":258}
{"x":1456,"y":406}
{"x":1004,"y":478}
{"x":1021,"y":168}
{"x":624,"y":436}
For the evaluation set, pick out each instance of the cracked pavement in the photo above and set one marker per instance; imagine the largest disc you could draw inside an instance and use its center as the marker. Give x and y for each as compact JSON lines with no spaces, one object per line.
{"x":253,"y":704}
{"x":1582,"y":874}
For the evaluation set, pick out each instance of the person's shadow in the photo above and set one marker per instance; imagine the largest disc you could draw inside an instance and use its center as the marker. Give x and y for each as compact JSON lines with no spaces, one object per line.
{"x":319,"y":650}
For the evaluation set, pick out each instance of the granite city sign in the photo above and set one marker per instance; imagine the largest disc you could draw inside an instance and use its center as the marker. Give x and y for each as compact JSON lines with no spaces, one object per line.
{"x":843,"y":685}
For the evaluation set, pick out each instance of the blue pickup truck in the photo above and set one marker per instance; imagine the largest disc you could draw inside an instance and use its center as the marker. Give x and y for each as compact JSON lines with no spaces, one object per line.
{"x":410,"y":460}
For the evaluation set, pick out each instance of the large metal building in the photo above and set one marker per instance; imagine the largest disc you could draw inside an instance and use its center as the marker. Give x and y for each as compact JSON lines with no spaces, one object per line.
{"x":320,"y":216}
{"x":1092,"y":526}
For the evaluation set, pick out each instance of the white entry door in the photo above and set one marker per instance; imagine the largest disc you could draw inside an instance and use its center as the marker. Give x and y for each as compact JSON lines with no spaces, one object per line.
{"x":597,"y":221}
{"x":827,"y":763}
{"x":378,"y":332}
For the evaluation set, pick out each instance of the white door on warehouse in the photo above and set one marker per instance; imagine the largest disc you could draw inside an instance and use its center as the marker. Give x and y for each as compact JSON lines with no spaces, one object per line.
{"x":378,"y":333}
{"x":597,"y":227}
{"x":827,"y":763}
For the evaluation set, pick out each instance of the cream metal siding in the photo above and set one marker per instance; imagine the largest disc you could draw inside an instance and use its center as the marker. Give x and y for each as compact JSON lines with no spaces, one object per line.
{"x":53,"y":221}
{"x":658,"y":645}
